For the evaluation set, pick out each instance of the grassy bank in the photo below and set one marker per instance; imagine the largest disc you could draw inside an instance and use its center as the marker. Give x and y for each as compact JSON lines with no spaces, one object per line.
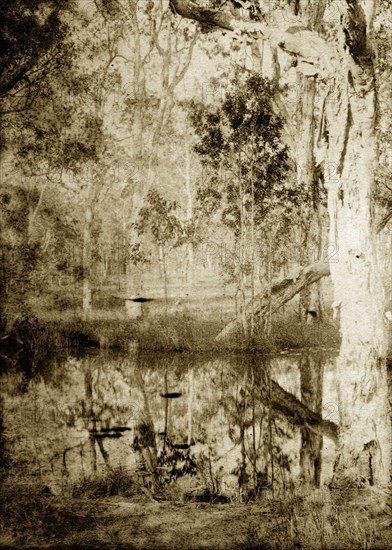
{"x":314,"y":520}
{"x":35,"y":341}
{"x":186,"y":332}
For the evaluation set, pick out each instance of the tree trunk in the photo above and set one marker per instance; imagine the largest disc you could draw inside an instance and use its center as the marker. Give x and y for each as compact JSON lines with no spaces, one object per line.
{"x":344,"y":59}
{"x":189,"y":275}
{"x":87,"y":304}
{"x":306,"y":176}
{"x":162,"y":261}
{"x":365,"y":426}
{"x":266,"y":311}
{"x":242,"y":240}
{"x":3,"y":279}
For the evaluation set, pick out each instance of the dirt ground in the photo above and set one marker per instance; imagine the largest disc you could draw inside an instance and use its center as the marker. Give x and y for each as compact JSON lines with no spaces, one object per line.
{"x":187,"y":526}
{"x":121,"y":523}
{"x":118,"y":523}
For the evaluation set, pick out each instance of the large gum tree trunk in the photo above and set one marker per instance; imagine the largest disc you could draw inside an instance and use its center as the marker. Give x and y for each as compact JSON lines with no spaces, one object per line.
{"x":365,"y":427}
{"x":305,"y":166}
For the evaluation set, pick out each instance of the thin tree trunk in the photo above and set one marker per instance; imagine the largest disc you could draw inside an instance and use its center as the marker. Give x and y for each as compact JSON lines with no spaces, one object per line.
{"x":87,"y":303}
{"x":162,"y":261}
{"x":242,"y":280}
{"x":188,"y":188}
{"x":33,"y":211}
{"x":266,"y":313}
{"x":304,"y":294}
{"x":253,"y":243}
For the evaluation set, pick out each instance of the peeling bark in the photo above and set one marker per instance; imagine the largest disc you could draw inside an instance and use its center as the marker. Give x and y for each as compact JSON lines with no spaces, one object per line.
{"x":361,"y":366}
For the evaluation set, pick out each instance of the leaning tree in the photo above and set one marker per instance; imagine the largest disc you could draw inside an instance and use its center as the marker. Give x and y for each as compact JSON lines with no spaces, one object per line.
{"x":332,"y":43}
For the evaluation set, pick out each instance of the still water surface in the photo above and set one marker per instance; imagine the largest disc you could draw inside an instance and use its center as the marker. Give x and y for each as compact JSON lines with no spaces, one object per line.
{"x":89,"y":414}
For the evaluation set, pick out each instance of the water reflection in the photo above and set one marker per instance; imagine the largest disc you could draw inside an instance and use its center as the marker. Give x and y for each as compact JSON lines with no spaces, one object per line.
{"x":241,"y":423}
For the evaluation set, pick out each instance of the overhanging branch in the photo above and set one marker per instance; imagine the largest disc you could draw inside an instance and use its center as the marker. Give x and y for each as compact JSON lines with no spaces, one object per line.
{"x":314,"y":55}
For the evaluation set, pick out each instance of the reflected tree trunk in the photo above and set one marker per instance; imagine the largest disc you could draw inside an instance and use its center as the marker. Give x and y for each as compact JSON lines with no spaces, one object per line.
{"x":312,"y":371}
{"x":92,"y":423}
{"x":190,"y":407}
{"x":166,"y":413}
{"x":150,"y":454}
{"x":104,"y":453}
{"x":268,"y":386}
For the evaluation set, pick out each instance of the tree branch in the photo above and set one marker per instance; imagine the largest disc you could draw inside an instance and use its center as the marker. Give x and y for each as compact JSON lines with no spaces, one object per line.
{"x":190,"y":10}
{"x":314,"y":55}
{"x":384,"y":222}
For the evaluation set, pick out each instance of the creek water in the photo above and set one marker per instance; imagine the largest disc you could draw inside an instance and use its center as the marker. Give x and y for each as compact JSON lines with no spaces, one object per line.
{"x":176,"y":413}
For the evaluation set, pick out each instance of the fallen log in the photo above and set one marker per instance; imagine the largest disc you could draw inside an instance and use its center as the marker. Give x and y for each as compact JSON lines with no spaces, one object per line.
{"x":281,"y":293}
